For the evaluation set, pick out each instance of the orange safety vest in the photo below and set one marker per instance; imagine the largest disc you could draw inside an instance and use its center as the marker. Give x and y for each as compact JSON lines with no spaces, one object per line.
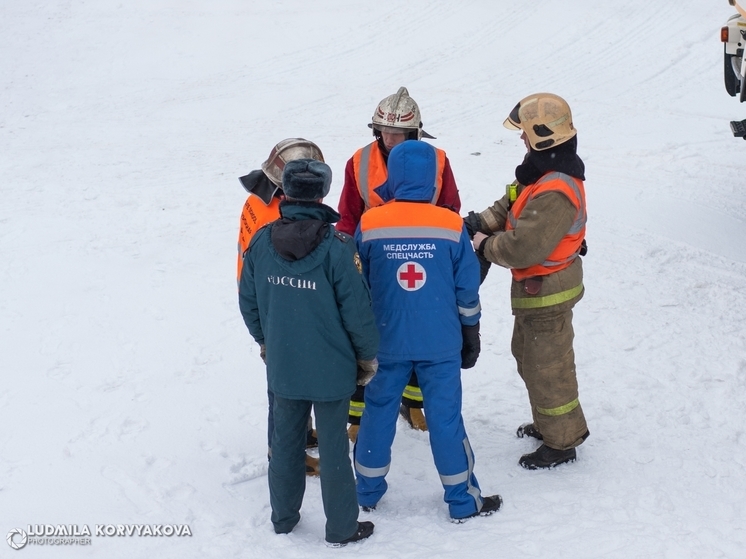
{"x":569,"y":247}
{"x":254,"y":216}
{"x":371,"y":172}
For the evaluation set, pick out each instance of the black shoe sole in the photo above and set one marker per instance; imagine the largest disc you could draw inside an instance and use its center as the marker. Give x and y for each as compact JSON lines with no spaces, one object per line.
{"x":546,"y":467}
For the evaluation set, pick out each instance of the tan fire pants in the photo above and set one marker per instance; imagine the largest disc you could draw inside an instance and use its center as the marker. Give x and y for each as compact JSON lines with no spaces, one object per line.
{"x":542,"y":347}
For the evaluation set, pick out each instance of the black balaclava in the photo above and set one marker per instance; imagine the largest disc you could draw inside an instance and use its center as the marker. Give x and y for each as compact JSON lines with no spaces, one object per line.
{"x":562,"y":158}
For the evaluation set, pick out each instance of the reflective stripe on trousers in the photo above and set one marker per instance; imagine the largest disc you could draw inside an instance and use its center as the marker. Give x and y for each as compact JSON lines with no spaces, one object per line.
{"x":546,"y":300}
{"x":413,"y":393}
{"x":465,"y":476}
{"x":356,"y":408}
{"x":559,"y":410}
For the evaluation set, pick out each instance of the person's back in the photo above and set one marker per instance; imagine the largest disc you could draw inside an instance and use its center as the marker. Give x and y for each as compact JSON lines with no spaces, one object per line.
{"x":302,"y":297}
{"x":396,"y":119}
{"x":298,"y":266}
{"x":262,"y":206}
{"x":424,"y":278}
{"x":421,"y":248}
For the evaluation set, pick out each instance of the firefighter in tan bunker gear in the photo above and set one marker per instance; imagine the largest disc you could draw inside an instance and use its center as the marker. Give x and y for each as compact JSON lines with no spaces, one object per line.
{"x":537,"y":230}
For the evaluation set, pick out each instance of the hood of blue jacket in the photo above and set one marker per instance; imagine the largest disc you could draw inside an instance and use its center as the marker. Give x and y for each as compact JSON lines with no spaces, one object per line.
{"x":412,"y":169}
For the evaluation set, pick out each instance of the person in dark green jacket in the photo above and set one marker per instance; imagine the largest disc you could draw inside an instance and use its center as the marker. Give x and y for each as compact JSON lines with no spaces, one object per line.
{"x":304,"y":300}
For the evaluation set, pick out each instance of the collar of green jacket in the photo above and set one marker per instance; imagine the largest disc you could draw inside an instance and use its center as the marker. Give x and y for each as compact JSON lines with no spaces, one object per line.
{"x":295,"y":211}
{"x":301,"y":229}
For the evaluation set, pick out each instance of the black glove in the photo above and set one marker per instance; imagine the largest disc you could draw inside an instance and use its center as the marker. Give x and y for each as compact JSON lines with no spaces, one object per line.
{"x":471,"y":346}
{"x":473,"y":224}
{"x":484,"y":267}
{"x":366,"y":370}
{"x":263,"y":352}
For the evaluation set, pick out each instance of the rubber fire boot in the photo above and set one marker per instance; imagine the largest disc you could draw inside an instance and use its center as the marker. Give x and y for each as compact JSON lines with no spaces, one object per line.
{"x":414,"y":417}
{"x":545,"y":457}
{"x":312,"y":466}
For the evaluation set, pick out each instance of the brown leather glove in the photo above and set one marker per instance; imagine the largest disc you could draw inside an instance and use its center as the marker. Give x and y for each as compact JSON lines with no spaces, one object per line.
{"x":366,"y":370}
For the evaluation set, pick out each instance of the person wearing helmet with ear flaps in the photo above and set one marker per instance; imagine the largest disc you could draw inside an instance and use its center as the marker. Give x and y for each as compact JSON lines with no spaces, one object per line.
{"x":537,"y":230}
{"x":264,"y":186}
{"x":303,"y":297}
{"x":396,"y":118}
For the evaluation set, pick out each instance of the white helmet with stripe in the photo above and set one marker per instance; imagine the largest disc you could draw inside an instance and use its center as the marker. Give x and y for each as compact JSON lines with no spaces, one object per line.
{"x":399,"y":113}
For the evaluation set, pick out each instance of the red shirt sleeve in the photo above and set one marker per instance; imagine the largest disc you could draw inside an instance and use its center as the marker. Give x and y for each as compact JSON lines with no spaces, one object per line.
{"x":449,"y":197}
{"x":351,"y":205}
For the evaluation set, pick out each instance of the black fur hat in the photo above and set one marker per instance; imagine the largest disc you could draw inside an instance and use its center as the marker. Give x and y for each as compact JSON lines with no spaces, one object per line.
{"x":306,"y":179}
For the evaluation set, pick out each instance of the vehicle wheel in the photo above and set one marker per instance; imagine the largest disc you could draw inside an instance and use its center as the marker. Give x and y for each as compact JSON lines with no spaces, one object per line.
{"x":732,"y":81}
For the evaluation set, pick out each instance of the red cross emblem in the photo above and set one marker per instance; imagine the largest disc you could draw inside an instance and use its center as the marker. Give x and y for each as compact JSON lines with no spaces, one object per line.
{"x":411,"y":276}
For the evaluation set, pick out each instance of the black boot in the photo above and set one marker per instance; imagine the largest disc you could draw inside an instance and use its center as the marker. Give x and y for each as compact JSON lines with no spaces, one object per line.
{"x":546,"y":457}
{"x":312,"y":440}
{"x":489,"y":505}
{"x":528,"y":430}
{"x":364,"y":530}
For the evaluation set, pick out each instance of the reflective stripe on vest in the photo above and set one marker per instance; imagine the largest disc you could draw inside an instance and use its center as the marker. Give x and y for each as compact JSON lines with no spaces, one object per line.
{"x":559,"y":258}
{"x":254,"y":216}
{"x":409,"y":221}
{"x":407,"y":232}
{"x":370,"y":172}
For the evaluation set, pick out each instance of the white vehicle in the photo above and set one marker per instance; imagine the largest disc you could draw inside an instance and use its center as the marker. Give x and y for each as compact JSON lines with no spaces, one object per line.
{"x":733,"y":35}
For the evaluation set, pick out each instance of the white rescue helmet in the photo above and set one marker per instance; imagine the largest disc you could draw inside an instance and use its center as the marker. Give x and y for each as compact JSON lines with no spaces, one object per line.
{"x":545,"y":118}
{"x":400,"y":113}
{"x":288,"y":150}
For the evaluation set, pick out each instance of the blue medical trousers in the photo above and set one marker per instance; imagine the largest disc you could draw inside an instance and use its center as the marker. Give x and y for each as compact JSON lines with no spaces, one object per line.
{"x":440,"y":382}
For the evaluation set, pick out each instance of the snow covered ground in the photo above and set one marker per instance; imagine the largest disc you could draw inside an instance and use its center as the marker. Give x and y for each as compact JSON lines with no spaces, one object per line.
{"x":132,"y":392}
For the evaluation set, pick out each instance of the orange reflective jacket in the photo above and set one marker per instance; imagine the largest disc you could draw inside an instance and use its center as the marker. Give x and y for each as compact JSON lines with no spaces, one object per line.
{"x":370,"y":173}
{"x":254,"y":216}
{"x":569,"y":247}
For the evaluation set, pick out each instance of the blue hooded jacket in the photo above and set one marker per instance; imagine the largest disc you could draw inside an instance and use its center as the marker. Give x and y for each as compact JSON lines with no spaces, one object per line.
{"x":419,"y":262}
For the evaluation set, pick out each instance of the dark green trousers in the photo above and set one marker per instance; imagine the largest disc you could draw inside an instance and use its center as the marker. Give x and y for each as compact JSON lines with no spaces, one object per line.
{"x":287,"y":470}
